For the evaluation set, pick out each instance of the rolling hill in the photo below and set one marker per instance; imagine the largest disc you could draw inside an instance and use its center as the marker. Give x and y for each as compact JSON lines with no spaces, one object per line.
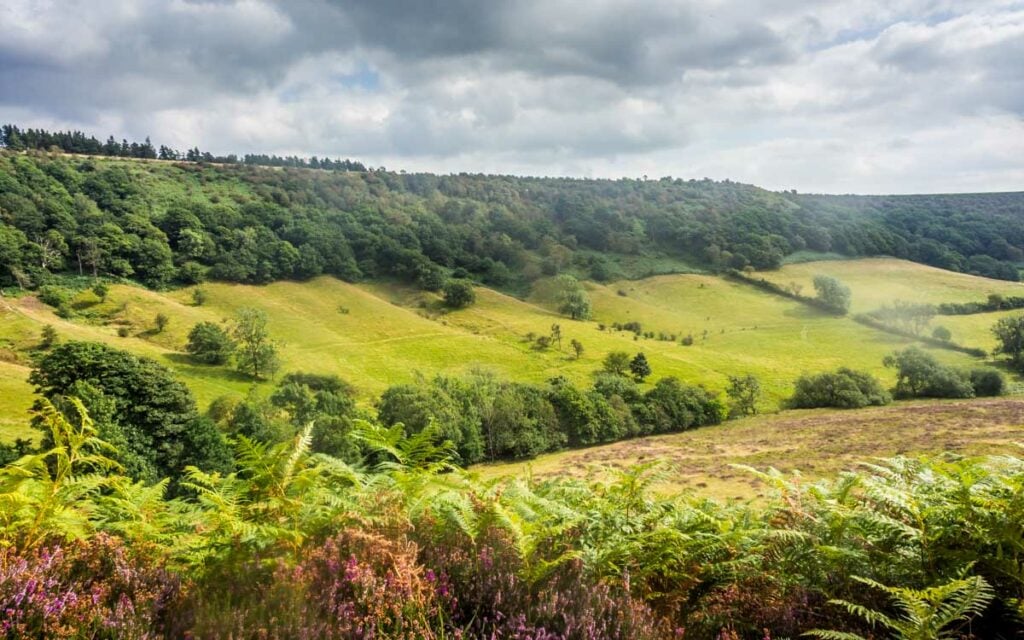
{"x":378,"y":334}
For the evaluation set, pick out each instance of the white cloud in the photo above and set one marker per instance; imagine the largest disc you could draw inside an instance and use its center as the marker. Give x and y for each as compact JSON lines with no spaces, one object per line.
{"x":868,"y":96}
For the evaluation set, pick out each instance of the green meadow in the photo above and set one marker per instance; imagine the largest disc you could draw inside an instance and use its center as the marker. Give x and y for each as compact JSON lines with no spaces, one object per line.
{"x":378,"y":334}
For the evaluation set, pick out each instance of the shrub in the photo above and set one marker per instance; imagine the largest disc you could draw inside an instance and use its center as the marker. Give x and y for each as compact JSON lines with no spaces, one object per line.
{"x":49,"y":337}
{"x":942,"y":333}
{"x":355,"y":585}
{"x":920,"y":375}
{"x":832,"y":293}
{"x":123,"y":331}
{"x":842,"y":389}
{"x":743,"y":393}
{"x":160,"y":322}
{"x":210,"y":343}
{"x":54,"y":296}
{"x":84,"y":589}
{"x":459,"y":294}
{"x":616,"y":362}
{"x":673,"y":406}
{"x":100,"y":289}
{"x":987,"y":382}
{"x":199,"y":297}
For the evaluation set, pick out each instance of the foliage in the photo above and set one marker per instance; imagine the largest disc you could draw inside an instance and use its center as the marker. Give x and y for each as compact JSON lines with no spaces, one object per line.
{"x":639,"y":367}
{"x":616,"y":362}
{"x":744,"y":393}
{"x":832,"y":293}
{"x":155,"y":414}
{"x":297,"y":545}
{"x":210,"y":343}
{"x":573,"y":299}
{"x":1009,"y":333}
{"x":95,"y":588}
{"x":255,"y":352}
{"x":938,"y":612}
{"x":908,"y":317}
{"x":235,"y":222}
{"x":49,"y":337}
{"x":459,"y":294}
{"x":842,"y":389}
{"x":160,"y":322}
{"x":920,"y":375}
{"x":987,"y":382}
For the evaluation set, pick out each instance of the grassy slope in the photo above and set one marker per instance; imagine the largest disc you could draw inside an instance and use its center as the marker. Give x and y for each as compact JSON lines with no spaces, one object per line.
{"x":816,"y":443}
{"x":391,"y":333}
{"x":875,"y":282}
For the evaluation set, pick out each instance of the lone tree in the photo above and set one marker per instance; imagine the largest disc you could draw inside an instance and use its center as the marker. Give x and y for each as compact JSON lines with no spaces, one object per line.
{"x":556,"y":335}
{"x":209,"y":343}
{"x":161,"y":321}
{"x":49,"y":337}
{"x":1009,"y":333}
{"x":832,"y":293}
{"x":577,"y":347}
{"x":617,"y":363}
{"x":459,"y":294}
{"x":743,"y":393}
{"x":257,"y":353}
{"x":574,"y":301}
{"x":639,"y":367}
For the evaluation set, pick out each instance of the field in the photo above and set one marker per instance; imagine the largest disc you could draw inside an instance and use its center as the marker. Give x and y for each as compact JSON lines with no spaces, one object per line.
{"x":378,"y":334}
{"x":816,"y":443}
{"x":877,"y":281}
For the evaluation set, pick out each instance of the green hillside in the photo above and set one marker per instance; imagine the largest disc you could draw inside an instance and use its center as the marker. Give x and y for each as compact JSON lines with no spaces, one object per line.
{"x":379,"y":334}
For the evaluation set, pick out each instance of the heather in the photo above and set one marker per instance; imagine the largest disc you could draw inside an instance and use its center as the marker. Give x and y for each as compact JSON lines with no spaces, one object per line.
{"x":404,"y":544}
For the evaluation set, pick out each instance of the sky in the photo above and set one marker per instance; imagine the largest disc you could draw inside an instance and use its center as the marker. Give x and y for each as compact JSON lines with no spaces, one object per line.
{"x":838,"y":96}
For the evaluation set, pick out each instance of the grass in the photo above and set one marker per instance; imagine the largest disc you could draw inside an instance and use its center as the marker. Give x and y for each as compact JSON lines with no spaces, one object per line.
{"x":379,"y":334}
{"x":877,"y":281}
{"x":816,"y":443}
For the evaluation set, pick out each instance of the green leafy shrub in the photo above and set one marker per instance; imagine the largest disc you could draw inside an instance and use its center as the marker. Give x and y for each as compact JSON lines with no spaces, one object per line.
{"x":842,"y":389}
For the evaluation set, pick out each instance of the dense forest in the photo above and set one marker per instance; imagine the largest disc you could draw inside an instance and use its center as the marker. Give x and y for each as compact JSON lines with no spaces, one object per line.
{"x":197,"y":216}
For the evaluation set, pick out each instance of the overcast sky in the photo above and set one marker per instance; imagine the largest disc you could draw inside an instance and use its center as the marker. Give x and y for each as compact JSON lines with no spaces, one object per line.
{"x":863,"y":96}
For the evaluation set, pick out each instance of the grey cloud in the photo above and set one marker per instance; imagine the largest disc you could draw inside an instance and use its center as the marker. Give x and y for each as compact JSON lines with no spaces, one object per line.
{"x":726,"y":88}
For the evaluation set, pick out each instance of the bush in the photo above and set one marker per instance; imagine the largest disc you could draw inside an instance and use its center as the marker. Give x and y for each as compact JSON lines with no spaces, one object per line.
{"x":842,"y":389}
{"x":54,"y":296}
{"x":673,"y":406}
{"x":160,"y":322}
{"x":920,"y":375}
{"x":987,"y":382}
{"x":459,"y":294}
{"x":942,"y":333}
{"x":49,"y":337}
{"x":209,"y":343}
{"x":199,"y":297}
{"x":88,"y":589}
{"x":832,"y":293}
{"x":100,"y":289}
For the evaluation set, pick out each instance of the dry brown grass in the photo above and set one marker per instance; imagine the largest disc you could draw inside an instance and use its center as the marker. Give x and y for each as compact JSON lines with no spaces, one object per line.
{"x":814,"y":443}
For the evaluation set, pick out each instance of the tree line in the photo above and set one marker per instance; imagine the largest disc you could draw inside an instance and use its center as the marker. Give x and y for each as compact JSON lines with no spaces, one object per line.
{"x":16,"y":139}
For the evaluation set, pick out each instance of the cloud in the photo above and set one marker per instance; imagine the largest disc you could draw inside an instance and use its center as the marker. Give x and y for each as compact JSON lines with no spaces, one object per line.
{"x":867,"y":96}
